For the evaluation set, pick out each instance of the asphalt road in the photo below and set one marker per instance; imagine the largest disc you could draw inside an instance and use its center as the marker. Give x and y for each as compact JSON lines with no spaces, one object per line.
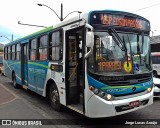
{"x":25,"y":104}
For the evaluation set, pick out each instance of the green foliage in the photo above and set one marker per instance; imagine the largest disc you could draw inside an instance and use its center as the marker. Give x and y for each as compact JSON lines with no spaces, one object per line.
{"x":1,"y":50}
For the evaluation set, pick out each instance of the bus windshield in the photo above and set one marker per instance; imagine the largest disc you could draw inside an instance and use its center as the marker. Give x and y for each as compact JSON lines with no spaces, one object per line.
{"x":120,"y":53}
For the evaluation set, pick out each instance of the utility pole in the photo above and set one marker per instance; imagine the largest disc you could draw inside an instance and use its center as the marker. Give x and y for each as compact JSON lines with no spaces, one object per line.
{"x":61,"y":12}
{"x":12,"y":37}
{"x":61,"y":16}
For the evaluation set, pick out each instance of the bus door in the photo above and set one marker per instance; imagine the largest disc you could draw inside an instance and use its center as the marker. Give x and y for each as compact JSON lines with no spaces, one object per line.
{"x":75,"y":69}
{"x":24,"y":65}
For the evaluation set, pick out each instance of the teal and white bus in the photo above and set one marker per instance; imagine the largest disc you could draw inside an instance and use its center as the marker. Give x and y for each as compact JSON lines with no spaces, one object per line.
{"x":98,"y":63}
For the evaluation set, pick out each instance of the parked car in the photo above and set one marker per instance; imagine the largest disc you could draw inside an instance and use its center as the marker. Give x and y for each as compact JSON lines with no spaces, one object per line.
{"x":156,"y":82}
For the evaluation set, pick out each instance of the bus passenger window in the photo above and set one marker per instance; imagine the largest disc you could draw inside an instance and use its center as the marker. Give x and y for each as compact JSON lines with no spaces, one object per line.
{"x":13,"y":52}
{"x":18,"y":53}
{"x":9,"y":53}
{"x":33,"y":49}
{"x":43,"y":47}
{"x":56,"y":45}
{"x":6,"y":53}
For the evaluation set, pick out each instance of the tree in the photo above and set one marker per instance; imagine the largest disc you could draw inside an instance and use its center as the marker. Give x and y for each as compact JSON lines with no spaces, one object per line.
{"x":1,"y":50}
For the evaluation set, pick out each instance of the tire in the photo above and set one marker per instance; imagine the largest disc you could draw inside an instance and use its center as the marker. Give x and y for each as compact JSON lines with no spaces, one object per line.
{"x":54,"y":98}
{"x":14,"y":81}
{"x":154,"y":73}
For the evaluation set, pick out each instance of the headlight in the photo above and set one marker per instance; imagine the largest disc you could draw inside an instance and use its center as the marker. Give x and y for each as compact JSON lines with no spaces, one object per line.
{"x":101,"y":94}
{"x":149,"y":90}
{"x":108,"y":97}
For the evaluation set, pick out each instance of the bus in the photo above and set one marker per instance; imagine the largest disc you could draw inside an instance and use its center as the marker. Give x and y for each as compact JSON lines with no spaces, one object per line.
{"x":156,"y":63}
{"x":97,"y":64}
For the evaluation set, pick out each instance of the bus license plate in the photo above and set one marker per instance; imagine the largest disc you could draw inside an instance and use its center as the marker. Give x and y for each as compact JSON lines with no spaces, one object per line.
{"x":134,"y":103}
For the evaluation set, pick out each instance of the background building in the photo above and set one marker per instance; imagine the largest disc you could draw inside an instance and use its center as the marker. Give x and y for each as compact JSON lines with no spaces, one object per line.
{"x":155,"y":43}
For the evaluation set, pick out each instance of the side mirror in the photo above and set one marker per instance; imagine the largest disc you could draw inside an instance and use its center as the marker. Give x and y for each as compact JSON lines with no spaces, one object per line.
{"x":90,"y":39}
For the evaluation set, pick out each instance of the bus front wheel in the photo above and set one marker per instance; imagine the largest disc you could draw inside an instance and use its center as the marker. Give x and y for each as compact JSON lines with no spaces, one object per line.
{"x":54,"y":98}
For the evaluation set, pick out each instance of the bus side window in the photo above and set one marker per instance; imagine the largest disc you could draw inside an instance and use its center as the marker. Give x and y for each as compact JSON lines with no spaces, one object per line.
{"x":18,"y":52}
{"x":33,"y":49}
{"x":43,"y":47}
{"x":6,"y":53}
{"x":61,"y":46}
{"x":50,"y":47}
{"x":56,"y":46}
{"x":13,"y":52}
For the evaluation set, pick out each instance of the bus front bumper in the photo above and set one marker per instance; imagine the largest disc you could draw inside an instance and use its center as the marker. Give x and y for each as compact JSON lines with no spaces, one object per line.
{"x":98,"y":107}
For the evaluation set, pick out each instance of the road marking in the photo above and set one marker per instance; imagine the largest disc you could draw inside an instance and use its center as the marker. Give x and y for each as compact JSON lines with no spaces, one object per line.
{"x":3,"y":86}
{"x":8,"y":101}
{"x":9,"y":91}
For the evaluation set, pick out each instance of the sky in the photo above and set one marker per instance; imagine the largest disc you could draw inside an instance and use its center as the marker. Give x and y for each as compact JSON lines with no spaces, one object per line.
{"x":28,"y":12}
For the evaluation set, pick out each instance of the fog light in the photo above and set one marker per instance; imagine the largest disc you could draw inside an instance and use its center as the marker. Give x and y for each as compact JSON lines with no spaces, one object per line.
{"x":149,"y":89}
{"x":108,"y":97}
{"x":102,"y":94}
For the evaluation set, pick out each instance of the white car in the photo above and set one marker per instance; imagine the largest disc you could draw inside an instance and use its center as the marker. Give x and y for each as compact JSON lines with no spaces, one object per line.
{"x":156,"y":82}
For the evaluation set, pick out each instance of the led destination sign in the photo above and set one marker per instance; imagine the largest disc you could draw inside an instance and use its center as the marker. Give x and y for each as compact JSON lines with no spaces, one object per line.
{"x":120,"y":21}
{"x":107,"y":19}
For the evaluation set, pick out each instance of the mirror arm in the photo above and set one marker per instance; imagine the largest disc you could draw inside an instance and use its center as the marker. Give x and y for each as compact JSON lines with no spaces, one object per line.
{"x":88,"y":53}
{"x":89,"y":26}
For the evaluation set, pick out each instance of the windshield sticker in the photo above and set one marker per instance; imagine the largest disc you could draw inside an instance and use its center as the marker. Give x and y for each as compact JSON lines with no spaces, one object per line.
{"x":136,"y":67}
{"x":127,"y":66}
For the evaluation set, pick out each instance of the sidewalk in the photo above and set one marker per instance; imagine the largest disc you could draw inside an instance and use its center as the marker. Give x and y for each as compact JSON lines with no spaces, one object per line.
{"x":5,"y":96}
{"x":13,"y":107}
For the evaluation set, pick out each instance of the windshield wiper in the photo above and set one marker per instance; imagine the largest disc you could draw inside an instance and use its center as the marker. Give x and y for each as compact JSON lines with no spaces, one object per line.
{"x":123,"y":47}
{"x":138,"y":49}
{"x":117,"y":39}
{"x":126,"y":51}
{"x":130,"y":52}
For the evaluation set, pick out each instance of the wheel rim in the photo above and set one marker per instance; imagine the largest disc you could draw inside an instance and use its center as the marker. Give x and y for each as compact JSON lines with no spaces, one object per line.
{"x":55,"y":97}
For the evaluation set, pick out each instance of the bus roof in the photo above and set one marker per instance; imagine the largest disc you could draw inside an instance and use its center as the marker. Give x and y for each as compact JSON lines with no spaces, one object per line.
{"x":48,"y":29}
{"x":84,"y":17}
{"x":118,"y":12}
{"x":31,"y":35}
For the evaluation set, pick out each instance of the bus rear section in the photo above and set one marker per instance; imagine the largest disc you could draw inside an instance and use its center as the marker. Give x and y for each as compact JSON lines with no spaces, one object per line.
{"x":156,"y":63}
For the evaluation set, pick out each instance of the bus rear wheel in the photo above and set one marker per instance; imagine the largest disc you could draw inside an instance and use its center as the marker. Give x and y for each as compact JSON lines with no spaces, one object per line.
{"x":14,"y":81}
{"x":54,"y":98}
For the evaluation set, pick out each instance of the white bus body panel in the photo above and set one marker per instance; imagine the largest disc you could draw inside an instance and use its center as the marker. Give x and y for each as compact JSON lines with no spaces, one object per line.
{"x":98,"y":107}
{"x":57,"y":78}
